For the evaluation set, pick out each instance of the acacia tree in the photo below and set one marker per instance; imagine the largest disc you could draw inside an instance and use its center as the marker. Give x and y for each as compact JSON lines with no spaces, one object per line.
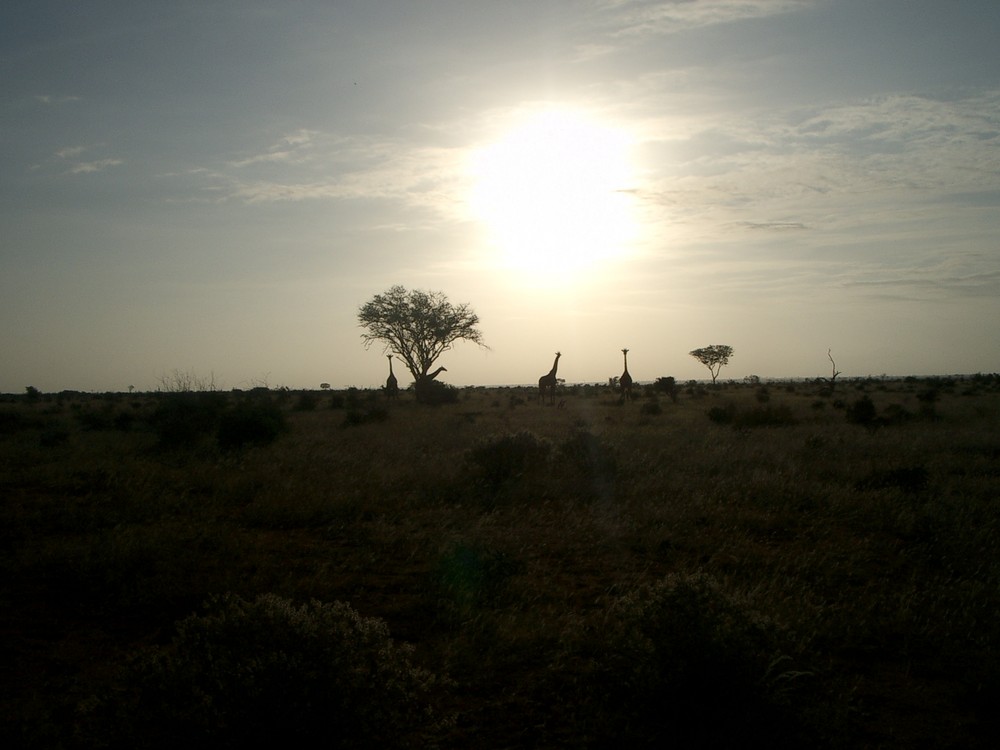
{"x":714,"y":357}
{"x":417,"y":326}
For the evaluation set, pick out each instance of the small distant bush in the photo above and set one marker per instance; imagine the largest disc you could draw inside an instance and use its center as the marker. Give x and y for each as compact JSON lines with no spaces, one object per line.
{"x":862,"y":412}
{"x":100,"y":419}
{"x":651,"y":408}
{"x":436,"y":393}
{"x":356,"y":416}
{"x":267,"y":672}
{"x":668,"y":386}
{"x":307,"y":401}
{"x":184,"y":418}
{"x":589,"y":456}
{"x":722,"y":414}
{"x":770,"y":416}
{"x":503,"y":459}
{"x":254,"y":422}
{"x":53,"y":437}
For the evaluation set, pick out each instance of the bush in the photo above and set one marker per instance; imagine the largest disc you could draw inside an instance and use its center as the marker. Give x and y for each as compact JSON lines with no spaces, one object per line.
{"x":184,"y":418}
{"x":862,"y":412}
{"x":471,"y":576}
{"x":307,"y":401}
{"x":651,"y":408}
{"x":435,"y":393}
{"x":683,"y":662}
{"x":355,"y":417}
{"x":589,"y":456}
{"x":722,"y":414}
{"x":267,"y":672}
{"x":771,"y":416}
{"x":250,"y":423}
{"x":502,"y":460}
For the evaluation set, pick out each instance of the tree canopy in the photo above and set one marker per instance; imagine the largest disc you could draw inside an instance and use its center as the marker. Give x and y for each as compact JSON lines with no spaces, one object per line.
{"x":714,"y":357}
{"x":417,"y":326}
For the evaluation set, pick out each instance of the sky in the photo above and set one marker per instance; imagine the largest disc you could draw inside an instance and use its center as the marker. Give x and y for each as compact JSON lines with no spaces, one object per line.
{"x":214,"y":189}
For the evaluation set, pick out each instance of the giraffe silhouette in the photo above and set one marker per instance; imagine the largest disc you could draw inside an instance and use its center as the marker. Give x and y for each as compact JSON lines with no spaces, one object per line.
{"x":625,"y":381}
{"x":425,"y":386}
{"x":391,"y":384}
{"x":548,"y":382}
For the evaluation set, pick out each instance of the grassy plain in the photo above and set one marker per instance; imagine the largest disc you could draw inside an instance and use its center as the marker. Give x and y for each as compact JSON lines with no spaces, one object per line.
{"x":510,"y":543}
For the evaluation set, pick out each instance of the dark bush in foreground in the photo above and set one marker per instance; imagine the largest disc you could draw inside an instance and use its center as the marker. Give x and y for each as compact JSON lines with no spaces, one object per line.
{"x":267,"y":673}
{"x":250,"y":423}
{"x":684,"y":663}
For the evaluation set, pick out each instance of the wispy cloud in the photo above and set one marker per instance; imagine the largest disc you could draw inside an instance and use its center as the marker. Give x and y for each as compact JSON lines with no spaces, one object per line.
{"x":311,"y":165}
{"x":57,"y":162}
{"x":49,"y":99}
{"x":99,"y":165}
{"x":648,"y":17}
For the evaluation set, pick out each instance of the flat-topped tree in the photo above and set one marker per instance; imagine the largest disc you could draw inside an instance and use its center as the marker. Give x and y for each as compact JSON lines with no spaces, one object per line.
{"x":714,"y":357}
{"x":417,"y":326}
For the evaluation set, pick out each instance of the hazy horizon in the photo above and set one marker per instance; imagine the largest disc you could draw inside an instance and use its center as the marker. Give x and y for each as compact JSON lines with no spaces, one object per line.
{"x":217,"y":188}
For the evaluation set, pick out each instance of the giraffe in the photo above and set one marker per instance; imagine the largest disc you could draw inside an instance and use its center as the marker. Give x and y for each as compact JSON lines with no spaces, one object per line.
{"x":391,"y":384}
{"x":425,"y":386}
{"x":625,"y":381}
{"x":549,"y":382}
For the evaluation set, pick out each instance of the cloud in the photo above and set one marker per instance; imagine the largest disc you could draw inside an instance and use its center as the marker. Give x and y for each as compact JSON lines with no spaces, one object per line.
{"x":656,"y":17}
{"x":48,"y":99}
{"x":774,"y":226}
{"x":94,"y":166}
{"x":312,"y":165}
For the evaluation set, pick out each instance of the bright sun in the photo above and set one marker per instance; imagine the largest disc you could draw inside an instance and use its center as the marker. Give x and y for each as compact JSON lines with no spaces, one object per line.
{"x":554,"y":194}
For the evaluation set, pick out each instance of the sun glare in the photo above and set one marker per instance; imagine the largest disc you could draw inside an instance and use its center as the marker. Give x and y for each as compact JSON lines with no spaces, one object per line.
{"x":554,"y":194}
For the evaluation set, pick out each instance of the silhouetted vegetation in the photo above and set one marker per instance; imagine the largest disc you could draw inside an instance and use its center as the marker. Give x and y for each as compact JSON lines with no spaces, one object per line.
{"x":266,"y":671}
{"x":717,"y":572}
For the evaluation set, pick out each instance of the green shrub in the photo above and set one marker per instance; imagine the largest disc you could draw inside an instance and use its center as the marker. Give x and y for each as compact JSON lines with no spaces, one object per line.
{"x":267,"y":672}
{"x":684,"y":663}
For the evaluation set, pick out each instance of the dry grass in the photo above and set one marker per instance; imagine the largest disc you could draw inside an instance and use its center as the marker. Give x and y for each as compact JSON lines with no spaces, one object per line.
{"x":873,"y":549}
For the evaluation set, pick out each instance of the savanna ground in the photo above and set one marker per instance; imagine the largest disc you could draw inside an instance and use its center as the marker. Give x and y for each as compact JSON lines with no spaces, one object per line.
{"x":775,"y":564}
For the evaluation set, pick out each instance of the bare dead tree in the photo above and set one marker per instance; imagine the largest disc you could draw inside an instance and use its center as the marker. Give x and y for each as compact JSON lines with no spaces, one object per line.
{"x":831,"y":381}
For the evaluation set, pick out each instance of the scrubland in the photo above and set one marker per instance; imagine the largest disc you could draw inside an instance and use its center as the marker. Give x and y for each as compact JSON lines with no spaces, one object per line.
{"x":780,"y":564}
